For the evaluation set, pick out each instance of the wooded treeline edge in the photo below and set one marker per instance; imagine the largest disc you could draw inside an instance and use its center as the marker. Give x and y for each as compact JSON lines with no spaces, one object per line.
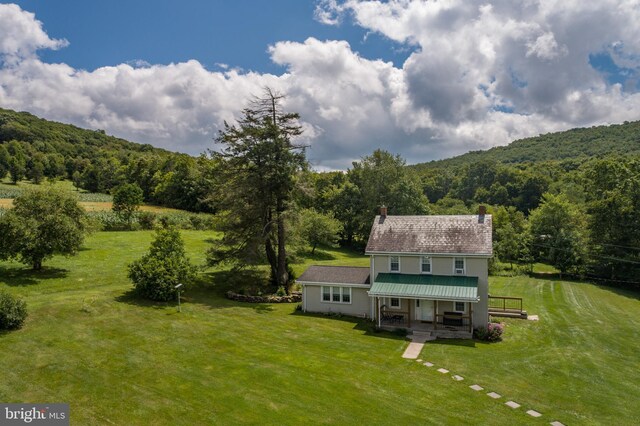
{"x":571,"y":199}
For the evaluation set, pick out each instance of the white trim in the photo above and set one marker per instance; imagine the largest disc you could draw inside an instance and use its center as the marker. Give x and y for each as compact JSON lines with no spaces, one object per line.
{"x":304,"y":298}
{"x":340,"y":293}
{"x":399,"y":303}
{"x":464,"y":266}
{"x":464,"y":311}
{"x":422,"y":258}
{"x":443,"y":299}
{"x":399,"y":265}
{"x":305,"y":283}
{"x":400,"y":253}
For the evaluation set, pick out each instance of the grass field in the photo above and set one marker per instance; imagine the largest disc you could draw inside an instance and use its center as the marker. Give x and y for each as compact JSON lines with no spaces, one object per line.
{"x":120,"y":361}
{"x":91,"y":202}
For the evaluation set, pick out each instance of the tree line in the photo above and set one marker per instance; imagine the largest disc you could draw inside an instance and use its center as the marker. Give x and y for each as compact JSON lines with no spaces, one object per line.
{"x":578,"y":214}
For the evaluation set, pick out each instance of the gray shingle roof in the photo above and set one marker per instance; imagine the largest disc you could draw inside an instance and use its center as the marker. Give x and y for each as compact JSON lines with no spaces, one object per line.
{"x":454,"y":234}
{"x":335,"y":274}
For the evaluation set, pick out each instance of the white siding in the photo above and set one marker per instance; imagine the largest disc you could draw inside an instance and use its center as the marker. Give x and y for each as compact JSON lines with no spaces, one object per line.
{"x":360,"y":305}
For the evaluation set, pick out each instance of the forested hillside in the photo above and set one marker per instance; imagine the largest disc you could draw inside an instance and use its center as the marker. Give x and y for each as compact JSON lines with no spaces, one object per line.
{"x":621,"y":139}
{"x":33,"y":148}
{"x":571,"y":198}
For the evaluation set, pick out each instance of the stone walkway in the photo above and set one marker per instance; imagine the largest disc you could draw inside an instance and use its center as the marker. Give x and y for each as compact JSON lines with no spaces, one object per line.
{"x":413,"y":351}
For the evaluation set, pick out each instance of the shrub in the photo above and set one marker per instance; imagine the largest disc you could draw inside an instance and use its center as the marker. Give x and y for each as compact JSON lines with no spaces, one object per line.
{"x":281,"y":291}
{"x":157,"y":273}
{"x":491,"y":333}
{"x":13,"y":312}
{"x":147,"y":220}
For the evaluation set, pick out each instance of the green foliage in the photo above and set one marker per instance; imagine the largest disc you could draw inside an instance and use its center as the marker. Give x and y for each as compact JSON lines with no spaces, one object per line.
{"x":511,"y":236}
{"x":42,"y":223}
{"x":319,"y":229}
{"x":147,"y":220}
{"x":157,"y":273}
{"x":126,"y":201}
{"x":614,"y":208}
{"x":557,"y":231}
{"x":491,"y":333}
{"x":13,"y":311}
{"x":38,"y":149}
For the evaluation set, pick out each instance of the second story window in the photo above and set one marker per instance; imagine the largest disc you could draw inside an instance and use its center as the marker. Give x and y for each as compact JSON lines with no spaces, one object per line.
{"x":394,"y":264}
{"x":425,"y":265}
{"x":458,"y":266}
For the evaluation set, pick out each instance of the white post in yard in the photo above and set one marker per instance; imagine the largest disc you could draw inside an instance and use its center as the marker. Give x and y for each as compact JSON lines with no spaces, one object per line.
{"x":178,"y":289}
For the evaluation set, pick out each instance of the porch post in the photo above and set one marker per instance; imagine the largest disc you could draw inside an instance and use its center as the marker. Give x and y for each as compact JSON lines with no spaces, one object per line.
{"x":435,"y":315}
{"x":470,"y":317}
{"x":379,"y":311}
{"x":409,"y":313}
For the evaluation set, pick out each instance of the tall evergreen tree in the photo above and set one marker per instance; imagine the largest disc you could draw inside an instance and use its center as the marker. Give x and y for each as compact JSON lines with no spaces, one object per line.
{"x":258,"y":175}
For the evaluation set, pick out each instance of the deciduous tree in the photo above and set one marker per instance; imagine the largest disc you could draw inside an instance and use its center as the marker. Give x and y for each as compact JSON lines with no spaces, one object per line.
{"x":43,"y":223}
{"x":127,"y":199}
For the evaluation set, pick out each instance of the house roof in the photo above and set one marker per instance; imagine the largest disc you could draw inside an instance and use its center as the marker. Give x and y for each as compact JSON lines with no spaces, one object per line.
{"x":335,"y":275}
{"x":452,"y":234}
{"x":431,"y":287}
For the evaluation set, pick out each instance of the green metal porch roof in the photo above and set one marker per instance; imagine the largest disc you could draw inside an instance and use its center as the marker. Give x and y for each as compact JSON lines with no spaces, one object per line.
{"x":431,"y":287}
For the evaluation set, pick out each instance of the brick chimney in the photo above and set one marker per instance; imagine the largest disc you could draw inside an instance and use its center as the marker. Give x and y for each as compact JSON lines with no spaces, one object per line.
{"x":482,"y":210}
{"x":383,"y":211}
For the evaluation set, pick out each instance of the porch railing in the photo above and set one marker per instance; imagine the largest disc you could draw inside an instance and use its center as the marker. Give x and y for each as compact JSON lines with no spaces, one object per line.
{"x":453,"y":321}
{"x":394,"y":317}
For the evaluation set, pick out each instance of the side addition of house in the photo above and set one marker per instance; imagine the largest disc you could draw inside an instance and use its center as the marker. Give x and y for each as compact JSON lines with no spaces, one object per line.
{"x":426,"y":273}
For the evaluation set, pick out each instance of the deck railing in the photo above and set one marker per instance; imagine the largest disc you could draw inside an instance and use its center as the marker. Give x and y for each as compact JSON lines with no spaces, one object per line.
{"x":505,"y":304}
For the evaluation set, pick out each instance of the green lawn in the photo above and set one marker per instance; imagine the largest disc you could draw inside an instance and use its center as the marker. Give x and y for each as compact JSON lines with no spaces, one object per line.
{"x":116,"y":360}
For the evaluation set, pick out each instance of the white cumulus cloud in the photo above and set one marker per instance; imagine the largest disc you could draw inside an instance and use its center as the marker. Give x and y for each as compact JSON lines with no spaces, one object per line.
{"x":481,"y":74}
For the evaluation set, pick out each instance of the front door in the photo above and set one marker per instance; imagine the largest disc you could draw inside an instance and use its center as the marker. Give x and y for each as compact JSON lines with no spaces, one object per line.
{"x":424,"y":310}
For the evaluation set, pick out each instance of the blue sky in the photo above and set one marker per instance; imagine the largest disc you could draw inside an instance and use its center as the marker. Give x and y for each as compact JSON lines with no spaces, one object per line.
{"x":235,"y":33}
{"x":424,"y":79}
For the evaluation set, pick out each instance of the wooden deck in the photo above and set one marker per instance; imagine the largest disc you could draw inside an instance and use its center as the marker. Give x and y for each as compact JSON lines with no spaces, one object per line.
{"x":505,"y":306}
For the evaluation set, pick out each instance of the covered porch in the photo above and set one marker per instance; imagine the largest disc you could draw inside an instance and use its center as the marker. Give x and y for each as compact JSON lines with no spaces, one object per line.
{"x":441,"y":305}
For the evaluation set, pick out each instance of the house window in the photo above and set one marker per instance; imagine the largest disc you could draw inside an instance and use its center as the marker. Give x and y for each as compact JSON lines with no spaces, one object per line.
{"x":336,"y":294}
{"x":426,"y":265}
{"x":459,"y":306}
{"x":346,"y":294}
{"x":394,"y":302}
{"x":458,"y":266}
{"x":394,"y":263}
{"x":326,"y":294}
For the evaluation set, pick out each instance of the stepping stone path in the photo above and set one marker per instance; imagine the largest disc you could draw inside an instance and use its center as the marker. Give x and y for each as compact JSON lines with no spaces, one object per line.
{"x":413,"y":350}
{"x":533,"y":318}
{"x":533,"y":413}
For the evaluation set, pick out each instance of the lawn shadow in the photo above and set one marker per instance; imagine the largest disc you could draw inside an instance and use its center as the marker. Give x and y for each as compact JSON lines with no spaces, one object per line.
{"x":131,"y":298}
{"x":469,"y":343}
{"x":25,"y":276}
{"x":360,"y":324}
{"x":318,"y":255}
